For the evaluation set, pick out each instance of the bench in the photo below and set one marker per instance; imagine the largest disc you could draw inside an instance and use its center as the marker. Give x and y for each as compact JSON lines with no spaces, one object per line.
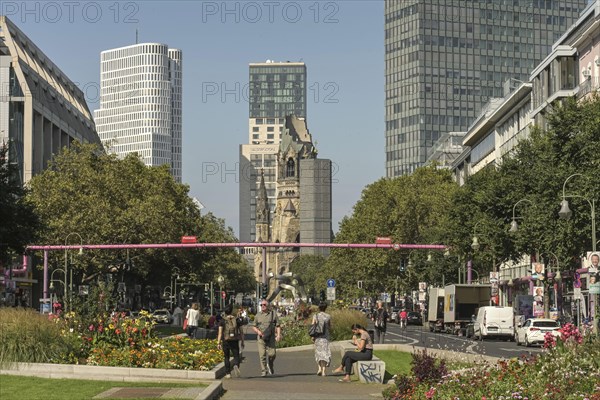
{"x":372,"y":371}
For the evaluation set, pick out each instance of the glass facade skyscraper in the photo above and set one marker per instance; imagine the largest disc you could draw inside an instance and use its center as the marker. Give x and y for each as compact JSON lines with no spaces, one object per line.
{"x":445,"y":59}
{"x":276,"y":89}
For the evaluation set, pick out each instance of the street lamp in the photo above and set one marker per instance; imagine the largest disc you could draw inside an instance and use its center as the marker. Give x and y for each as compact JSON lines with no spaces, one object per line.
{"x":514,"y":226}
{"x":565,"y":213}
{"x":67,"y":266}
{"x":63,"y":282}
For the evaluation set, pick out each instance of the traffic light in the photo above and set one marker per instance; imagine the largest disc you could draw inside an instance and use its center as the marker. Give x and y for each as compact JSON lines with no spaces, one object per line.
{"x":264,"y":290}
{"x":322,"y":295}
{"x":401,"y":266}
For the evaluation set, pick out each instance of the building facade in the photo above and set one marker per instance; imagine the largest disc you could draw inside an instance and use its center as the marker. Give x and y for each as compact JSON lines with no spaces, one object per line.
{"x":41,"y":109}
{"x":141,"y":104}
{"x":571,"y":69}
{"x":303,"y":211}
{"x":276,"y":90}
{"x":444,"y":60}
{"x":41,"y":112}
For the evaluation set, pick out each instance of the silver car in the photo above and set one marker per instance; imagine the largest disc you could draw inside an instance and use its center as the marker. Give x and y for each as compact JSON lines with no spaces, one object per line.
{"x":162,"y":316}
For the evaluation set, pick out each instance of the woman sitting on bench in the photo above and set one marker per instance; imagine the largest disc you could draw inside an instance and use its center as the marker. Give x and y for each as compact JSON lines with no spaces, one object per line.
{"x":364,"y":351}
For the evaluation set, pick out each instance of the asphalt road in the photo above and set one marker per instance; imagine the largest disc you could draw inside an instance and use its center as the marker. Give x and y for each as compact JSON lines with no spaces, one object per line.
{"x":420,"y":336}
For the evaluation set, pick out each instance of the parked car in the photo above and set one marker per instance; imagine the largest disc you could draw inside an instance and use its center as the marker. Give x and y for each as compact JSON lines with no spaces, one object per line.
{"x":162,"y":316}
{"x":393,"y":315}
{"x":494,"y":321}
{"x":414,"y":318}
{"x":534,"y":330}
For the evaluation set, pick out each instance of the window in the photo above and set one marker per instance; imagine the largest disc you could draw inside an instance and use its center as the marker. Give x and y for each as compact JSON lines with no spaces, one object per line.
{"x":290,"y":168}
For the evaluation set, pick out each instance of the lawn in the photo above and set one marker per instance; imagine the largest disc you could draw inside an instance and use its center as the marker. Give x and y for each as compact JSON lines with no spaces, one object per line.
{"x":396,"y":362}
{"x":24,"y":387}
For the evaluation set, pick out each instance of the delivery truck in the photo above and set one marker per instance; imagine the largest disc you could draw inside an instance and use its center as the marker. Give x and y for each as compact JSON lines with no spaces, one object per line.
{"x":435,"y":309}
{"x":461,"y":303}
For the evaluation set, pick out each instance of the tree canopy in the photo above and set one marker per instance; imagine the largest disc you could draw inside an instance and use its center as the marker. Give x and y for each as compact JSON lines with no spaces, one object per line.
{"x":19,"y":224}
{"x":107,"y":200}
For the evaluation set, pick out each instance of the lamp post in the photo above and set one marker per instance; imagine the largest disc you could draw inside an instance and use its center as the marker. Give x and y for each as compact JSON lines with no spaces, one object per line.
{"x":67,"y":283}
{"x":553,"y":278}
{"x":174,"y":278}
{"x":513,"y":225}
{"x":220,"y":280}
{"x":565,"y":213}
{"x":64,"y":282}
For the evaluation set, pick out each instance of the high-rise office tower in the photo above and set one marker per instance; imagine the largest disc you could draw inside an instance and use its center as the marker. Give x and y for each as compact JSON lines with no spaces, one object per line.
{"x":41,"y":109}
{"x":140,"y":103}
{"x":276,"y":90}
{"x":445,"y":59}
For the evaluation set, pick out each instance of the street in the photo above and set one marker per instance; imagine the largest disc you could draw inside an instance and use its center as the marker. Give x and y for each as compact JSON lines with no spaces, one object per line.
{"x":420,"y":336}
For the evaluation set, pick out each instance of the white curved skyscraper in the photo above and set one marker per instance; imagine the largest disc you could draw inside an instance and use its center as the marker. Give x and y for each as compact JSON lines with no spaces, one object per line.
{"x":140,"y":103}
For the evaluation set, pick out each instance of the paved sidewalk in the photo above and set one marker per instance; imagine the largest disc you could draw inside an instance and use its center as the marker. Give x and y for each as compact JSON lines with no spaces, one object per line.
{"x":295,"y":378}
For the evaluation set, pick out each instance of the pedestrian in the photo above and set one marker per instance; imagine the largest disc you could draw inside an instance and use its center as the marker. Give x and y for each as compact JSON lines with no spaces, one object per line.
{"x":364,"y":352}
{"x":403,"y":318}
{"x":379,"y":318}
{"x":230,"y":338}
{"x":322,"y":350}
{"x":268,"y":332}
{"x":212,"y":320}
{"x":192,"y":316}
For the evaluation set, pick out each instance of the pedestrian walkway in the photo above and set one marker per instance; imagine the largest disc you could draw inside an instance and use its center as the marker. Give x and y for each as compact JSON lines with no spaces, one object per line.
{"x":295,"y":378}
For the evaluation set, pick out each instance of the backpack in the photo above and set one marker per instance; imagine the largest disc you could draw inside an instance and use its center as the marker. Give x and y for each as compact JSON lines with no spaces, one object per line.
{"x":230,"y":331}
{"x":379,"y":322}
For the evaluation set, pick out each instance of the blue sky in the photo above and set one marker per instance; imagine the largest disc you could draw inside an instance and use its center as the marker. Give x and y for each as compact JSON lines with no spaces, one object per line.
{"x":340,"y":42}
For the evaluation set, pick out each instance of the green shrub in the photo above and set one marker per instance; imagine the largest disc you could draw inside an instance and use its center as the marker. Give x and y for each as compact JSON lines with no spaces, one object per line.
{"x":27,"y":336}
{"x":295,"y":333}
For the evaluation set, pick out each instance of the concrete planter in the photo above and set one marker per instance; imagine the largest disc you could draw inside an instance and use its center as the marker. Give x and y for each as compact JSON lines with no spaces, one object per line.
{"x":123,"y":374}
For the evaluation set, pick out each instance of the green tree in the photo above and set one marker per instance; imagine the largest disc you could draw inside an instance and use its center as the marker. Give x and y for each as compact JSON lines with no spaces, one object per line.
{"x":20,"y":224}
{"x":409,"y":209}
{"x":118,"y":201}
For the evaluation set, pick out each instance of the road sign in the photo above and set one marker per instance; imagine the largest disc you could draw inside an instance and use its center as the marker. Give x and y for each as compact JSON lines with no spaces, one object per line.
{"x":383,"y":240}
{"x":331,"y":293}
{"x":330,"y":283}
{"x":188,"y":239}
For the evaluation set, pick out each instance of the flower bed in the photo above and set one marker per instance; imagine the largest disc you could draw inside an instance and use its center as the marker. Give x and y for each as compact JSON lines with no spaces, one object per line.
{"x":569,"y":369}
{"x":103,"y":340}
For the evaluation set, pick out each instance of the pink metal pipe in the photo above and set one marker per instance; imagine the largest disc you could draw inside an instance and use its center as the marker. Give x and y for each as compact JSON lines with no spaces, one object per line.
{"x":250,"y":244}
{"x":46,"y":249}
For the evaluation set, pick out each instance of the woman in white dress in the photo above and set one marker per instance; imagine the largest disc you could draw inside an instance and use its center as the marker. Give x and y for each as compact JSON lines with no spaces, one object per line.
{"x":322,"y":351}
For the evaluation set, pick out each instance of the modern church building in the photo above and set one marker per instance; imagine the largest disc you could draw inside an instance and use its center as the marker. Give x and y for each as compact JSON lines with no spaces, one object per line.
{"x":140,"y":103}
{"x":445,"y":59}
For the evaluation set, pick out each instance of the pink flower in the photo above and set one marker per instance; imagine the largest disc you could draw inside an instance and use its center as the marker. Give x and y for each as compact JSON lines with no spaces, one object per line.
{"x":91,"y":328}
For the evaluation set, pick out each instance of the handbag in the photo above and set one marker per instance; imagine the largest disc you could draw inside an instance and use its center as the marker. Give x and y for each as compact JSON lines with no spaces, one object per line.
{"x":185,"y":324}
{"x":315,"y":330}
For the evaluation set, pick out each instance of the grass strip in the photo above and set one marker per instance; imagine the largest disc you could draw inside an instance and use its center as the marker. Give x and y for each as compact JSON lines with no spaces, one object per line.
{"x":17,"y":387}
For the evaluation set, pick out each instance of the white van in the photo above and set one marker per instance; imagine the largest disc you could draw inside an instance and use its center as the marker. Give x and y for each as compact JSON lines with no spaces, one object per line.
{"x":494,"y":321}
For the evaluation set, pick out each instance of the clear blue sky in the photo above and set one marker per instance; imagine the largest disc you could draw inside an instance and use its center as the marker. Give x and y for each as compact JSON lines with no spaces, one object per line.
{"x":340,"y":42}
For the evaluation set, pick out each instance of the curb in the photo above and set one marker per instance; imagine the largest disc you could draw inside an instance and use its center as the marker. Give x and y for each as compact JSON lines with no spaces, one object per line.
{"x":212,"y":392}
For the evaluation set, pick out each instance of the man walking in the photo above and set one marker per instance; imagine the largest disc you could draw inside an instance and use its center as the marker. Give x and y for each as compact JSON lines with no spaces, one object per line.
{"x":268,"y":333}
{"x":379,"y":318}
{"x":229,"y":338}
